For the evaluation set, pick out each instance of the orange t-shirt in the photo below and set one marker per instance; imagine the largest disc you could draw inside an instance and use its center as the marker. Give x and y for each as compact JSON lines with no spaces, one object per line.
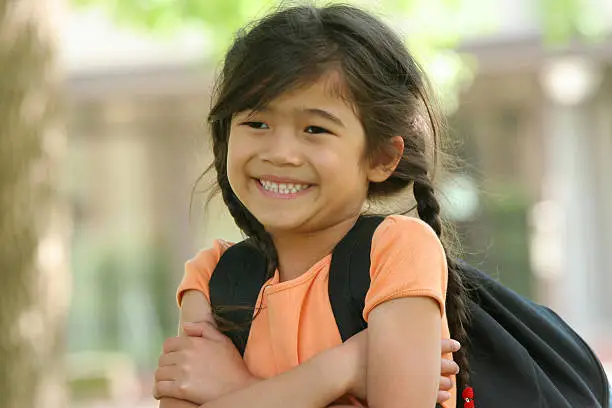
{"x":296,"y":321}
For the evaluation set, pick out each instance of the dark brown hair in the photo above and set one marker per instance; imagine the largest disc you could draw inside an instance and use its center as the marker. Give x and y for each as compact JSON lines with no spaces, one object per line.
{"x":297,"y":45}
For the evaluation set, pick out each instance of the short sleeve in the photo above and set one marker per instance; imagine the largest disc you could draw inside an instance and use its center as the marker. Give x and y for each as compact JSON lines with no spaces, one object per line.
{"x":199,"y":270}
{"x":407,"y":260}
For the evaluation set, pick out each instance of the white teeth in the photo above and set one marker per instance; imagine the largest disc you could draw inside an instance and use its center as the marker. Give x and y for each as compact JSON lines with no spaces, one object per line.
{"x":283,"y":188}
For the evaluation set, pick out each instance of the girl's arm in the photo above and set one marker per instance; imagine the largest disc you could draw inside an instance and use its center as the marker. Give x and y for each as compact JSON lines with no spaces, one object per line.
{"x":194,"y":308}
{"x":403,"y":367}
{"x":314,"y":384}
{"x":332,"y":374}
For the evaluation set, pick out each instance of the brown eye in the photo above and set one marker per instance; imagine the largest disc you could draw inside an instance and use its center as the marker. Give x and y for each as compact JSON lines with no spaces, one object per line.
{"x":256,"y":125}
{"x":315,"y":130}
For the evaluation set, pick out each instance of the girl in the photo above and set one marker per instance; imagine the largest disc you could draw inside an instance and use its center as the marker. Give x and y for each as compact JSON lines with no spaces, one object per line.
{"x":318,"y":113}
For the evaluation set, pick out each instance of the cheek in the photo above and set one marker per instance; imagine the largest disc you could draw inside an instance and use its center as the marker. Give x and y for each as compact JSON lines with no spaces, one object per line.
{"x":344,"y":165}
{"x":235,"y":160}
{"x":352,"y":161}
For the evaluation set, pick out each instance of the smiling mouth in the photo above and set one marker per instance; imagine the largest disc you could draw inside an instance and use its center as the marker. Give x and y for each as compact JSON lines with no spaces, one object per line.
{"x":283,"y":188}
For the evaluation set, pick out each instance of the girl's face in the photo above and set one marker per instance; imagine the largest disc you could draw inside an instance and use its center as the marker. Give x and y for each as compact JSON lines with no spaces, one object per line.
{"x":299,"y":164}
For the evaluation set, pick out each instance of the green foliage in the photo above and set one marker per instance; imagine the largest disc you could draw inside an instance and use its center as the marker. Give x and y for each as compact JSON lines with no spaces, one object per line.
{"x":220,"y":18}
{"x":566,"y":20}
{"x":432,"y":25}
{"x":561,"y":20}
{"x":435,"y":26}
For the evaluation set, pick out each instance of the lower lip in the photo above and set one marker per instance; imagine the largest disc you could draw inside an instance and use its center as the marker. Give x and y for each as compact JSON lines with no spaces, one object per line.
{"x":288,"y":196}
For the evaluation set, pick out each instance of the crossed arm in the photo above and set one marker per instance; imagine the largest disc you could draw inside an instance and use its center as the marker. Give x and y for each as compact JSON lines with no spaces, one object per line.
{"x":325,"y":373}
{"x":224,"y":380}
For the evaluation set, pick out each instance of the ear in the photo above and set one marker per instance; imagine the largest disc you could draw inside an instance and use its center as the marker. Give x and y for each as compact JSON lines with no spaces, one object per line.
{"x":386,"y":160}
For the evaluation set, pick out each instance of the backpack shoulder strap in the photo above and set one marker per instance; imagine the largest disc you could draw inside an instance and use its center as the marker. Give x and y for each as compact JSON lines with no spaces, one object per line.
{"x":234,"y":288}
{"x":241,"y":273}
{"x":350,"y":268}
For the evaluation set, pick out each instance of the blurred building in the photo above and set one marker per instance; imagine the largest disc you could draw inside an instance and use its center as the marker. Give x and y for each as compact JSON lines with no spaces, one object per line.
{"x":536,"y":134}
{"x":544,"y":169}
{"x":537,"y":125}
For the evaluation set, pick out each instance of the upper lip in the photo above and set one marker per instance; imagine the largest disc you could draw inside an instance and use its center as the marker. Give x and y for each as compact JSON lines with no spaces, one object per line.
{"x":284,"y":180}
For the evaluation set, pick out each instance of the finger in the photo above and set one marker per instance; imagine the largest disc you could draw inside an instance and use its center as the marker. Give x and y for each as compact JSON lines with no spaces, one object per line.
{"x":169,"y":373}
{"x":448,"y":367}
{"x":450,"y":346}
{"x":210,"y":332}
{"x":175,"y":344}
{"x":446,"y":384}
{"x":443,"y":396}
{"x":168,"y":359}
{"x":154,"y":393}
{"x":203,"y":329}
{"x":193,"y":329}
{"x":167,"y":389}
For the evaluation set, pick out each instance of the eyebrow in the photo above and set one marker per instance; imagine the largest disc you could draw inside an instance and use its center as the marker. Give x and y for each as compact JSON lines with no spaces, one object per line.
{"x":312,"y":111}
{"x":324,"y":114}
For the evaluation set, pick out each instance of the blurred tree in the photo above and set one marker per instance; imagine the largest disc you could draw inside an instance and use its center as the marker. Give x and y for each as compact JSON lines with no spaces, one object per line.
{"x":561,"y":20}
{"x":219,"y":20}
{"x":33,"y":279}
{"x":566,"y":20}
{"x":435,"y":26}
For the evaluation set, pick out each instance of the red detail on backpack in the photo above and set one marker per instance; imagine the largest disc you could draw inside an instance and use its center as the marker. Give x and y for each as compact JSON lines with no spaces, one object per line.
{"x":468,"y":392}
{"x":468,"y":397}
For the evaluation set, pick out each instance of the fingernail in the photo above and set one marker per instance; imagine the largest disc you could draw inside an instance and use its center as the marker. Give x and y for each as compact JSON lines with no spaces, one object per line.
{"x":445,"y":395}
{"x":455,"y":345}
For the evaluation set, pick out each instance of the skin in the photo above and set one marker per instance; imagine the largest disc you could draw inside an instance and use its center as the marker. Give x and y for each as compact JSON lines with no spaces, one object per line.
{"x":312,"y":138}
{"x":189,"y":369}
{"x":224,"y":379}
{"x":286,"y":141}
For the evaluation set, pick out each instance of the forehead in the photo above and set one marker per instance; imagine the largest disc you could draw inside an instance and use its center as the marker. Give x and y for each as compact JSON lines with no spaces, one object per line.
{"x":327,"y":91}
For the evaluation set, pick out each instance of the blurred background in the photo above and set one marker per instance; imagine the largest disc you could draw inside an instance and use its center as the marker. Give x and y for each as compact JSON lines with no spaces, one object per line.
{"x":103,"y":136}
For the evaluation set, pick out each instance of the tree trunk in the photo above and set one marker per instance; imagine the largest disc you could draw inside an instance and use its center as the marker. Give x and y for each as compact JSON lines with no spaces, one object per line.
{"x":33,"y":273}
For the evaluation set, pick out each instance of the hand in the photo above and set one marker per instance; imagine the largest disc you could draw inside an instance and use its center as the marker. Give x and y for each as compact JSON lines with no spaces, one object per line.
{"x":449,"y":368}
{"x":200,"y":368}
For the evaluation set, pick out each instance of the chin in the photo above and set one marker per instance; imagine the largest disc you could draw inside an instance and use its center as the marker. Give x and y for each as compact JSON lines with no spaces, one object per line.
{"x":275,"y":221}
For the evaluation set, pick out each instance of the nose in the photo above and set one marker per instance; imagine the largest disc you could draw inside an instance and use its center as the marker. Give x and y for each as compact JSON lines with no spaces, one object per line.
{"x":283,"y":149}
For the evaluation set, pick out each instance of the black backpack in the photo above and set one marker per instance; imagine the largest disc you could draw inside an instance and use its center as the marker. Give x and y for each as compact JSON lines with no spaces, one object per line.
{"x":522,"y":355}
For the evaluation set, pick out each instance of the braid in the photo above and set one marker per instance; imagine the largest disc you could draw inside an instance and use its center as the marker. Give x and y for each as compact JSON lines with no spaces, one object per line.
{"x":427,"y":204}
{"x":247,"y":223}
{"x":429,"y":211}
{"x":243,"y":218}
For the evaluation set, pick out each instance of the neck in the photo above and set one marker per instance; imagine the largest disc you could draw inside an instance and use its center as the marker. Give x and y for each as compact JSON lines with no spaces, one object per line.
{"x":299,"y":251}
